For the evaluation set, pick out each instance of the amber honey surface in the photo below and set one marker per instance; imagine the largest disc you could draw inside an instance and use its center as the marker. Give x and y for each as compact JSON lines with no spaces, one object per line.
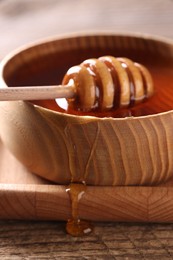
{"x":51,"y":70}
{"x":161,"y":101}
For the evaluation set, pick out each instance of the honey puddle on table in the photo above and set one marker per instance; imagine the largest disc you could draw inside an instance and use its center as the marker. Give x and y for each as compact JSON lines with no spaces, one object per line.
{"x":76,"y":226}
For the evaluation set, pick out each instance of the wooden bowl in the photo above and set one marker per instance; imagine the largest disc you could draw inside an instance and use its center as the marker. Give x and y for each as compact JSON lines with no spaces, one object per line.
{"x":136,"y":149}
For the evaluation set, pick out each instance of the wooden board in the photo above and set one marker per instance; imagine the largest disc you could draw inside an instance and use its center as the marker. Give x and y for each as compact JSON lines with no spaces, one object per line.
{"x":23,"y":195}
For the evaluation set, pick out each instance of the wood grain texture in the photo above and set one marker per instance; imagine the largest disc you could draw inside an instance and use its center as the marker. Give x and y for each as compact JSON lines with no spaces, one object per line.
{"x":98,"y":151}
{"x":129,"y":204}
{"x":26,"y":196}
{"x":120,"y":241}
{"x":25,"y":21}
{"x":121,"y":161}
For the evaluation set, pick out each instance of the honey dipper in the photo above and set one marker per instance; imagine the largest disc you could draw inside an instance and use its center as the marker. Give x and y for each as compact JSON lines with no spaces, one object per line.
{"x":105,"y":82}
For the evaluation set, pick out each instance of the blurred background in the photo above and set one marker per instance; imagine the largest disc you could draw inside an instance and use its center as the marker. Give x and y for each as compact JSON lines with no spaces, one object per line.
{"x":23,"y":21}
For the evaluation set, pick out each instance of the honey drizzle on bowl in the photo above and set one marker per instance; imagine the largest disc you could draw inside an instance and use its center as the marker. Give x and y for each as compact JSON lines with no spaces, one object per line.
{"x":162,"y":72}
{"x":76,"y":226}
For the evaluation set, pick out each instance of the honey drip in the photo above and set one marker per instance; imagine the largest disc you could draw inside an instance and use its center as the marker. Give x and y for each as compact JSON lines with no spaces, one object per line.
{"x":76,"y":226}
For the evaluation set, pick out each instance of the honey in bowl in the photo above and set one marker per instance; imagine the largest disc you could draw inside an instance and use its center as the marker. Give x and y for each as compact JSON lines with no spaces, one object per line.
{"x":123,"y":146}
{"x":162,"y":75}
{"x":113,"y":139}
{"x":50,"y":70}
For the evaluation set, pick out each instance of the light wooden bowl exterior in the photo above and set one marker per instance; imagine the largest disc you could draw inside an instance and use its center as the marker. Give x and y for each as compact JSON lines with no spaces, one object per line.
{"x":98,"y":151}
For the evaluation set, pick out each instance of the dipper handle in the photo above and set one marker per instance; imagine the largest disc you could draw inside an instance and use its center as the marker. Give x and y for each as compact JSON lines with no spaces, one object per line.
{"x":37,"y":92}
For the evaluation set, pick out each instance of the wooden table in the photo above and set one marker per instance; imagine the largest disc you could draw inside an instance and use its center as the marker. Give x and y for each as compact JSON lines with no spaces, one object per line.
{"x":25,"y":21}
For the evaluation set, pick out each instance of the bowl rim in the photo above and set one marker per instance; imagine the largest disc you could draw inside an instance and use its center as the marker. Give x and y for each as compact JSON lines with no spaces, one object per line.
{"x":49,"y":39}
